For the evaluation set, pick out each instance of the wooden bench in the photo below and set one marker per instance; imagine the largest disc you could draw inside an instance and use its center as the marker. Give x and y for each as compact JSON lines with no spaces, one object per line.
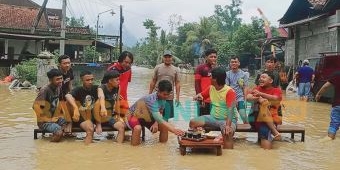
{"x":78,"y":129}
{"x":206,"y":143}
{"x":281,"y":128}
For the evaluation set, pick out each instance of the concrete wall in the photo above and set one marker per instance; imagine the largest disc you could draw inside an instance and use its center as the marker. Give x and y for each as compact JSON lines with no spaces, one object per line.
{"x":311,"y":39}
{"x":97,"y":71}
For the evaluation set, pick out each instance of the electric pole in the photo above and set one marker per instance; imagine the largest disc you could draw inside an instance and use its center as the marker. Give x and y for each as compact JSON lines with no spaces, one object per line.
{"x":121,"y":29}
{"x":63,"y":30}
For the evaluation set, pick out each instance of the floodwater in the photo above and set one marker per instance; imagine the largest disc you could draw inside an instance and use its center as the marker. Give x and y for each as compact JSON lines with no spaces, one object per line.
{"x":18,"y":149}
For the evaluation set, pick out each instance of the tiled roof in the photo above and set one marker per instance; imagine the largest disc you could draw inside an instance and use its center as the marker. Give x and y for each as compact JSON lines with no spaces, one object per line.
{"x":25,"y":3}
{"x":19,"y":17}
{"x":317,"y":2}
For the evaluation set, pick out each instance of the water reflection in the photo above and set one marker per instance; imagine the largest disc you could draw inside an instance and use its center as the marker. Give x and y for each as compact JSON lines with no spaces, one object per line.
{"x":20,"y":151}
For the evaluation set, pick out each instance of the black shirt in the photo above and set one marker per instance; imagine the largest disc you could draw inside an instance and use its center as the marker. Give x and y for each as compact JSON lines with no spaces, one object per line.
{"x":87,"y":97}
{"x":65,"y":88}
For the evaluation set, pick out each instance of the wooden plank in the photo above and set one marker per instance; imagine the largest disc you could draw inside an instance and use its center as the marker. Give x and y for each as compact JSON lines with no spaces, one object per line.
{"x":78,"y":129}
{"x":281,"y":128}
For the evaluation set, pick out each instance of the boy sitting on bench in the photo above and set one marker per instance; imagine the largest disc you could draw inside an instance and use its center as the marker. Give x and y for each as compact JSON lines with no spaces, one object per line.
{"x":268,"y":98}
{"x":116,"y":108}
{"x":50,"y":116}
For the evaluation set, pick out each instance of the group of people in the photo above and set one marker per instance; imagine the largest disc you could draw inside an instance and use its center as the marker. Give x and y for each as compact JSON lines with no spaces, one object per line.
{"x":222,"y":95}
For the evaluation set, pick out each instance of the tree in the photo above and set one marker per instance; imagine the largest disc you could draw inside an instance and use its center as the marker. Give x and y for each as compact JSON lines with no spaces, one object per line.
{"x":228,"y":18}
{"x":75,"y":22}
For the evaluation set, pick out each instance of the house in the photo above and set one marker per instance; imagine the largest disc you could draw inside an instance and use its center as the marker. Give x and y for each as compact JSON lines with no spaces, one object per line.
{"x":313,"y":27}
{"x":17,"y":42}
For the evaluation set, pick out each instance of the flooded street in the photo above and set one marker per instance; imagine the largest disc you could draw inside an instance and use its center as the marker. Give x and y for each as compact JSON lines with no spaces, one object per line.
{"x":20,"y":151}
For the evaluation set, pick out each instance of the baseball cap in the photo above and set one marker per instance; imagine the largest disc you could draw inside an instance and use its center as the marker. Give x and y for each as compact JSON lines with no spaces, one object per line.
{"x":167,"y":53}
{"x":305,"y":62}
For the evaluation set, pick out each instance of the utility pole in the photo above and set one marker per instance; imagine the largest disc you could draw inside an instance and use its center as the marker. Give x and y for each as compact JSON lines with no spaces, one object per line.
{"x":121,"y":29}
{"x":63,"y":30}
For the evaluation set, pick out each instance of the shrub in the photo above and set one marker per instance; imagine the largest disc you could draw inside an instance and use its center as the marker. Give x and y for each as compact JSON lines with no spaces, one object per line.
{"x":27,"y":70}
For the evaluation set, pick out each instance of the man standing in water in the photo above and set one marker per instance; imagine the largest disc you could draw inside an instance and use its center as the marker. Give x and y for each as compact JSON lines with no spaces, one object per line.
{"x":306,"y":77}
{"x":167,"y":71}
{"x":82,"y":100}
{"x":270,"y":63}
{"x":123,"y":66}
{"x":238,"y":80}
{"x":202,"y":79}
{"x":67,"y":72}
{"x":50,"y":116}
{"x":334,"y":82}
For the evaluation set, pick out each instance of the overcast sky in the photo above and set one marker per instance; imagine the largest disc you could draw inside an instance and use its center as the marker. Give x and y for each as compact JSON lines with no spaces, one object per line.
{"x":137,"y":11}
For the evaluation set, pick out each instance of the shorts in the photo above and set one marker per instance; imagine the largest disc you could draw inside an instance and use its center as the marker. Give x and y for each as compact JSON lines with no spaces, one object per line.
{"x":210,"y":121}
{"x":304,"y":89}
{"x":264,"y":132}
{"x":168,"y":110}
{"x":133,"y":121}
{"x":50,"y":127}
{"x":110,"y":122}
{"x":335,"y":120}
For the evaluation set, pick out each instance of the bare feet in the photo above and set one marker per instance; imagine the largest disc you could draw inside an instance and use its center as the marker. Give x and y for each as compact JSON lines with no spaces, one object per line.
{"x":57,"y":136}
{"x":88,"y":139}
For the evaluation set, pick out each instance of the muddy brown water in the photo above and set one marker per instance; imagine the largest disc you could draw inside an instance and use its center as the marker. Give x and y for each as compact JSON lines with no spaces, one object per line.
{"x":18,"y":149}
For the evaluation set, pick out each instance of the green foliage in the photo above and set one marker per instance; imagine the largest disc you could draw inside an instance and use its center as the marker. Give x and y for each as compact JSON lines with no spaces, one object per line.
{"x":91,"y":55}
{"x":75,"y":22}
{"x":27,"y":70}
{"x":223,"y":31}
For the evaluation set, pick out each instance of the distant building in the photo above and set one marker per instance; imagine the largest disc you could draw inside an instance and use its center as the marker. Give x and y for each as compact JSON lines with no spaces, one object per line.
{"x":313,"y":28}
{"x":18,"y":43}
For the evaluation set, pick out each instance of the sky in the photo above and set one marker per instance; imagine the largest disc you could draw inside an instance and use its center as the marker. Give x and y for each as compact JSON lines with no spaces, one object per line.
{"x":137,"y":11}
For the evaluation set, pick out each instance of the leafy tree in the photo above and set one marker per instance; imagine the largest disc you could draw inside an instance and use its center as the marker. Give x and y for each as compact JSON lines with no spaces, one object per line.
{"x":228,"y":18}
{"x":75,"y":22}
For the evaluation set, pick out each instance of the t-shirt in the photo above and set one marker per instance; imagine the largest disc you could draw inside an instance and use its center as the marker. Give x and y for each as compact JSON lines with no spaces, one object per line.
{"x":66,"y":83}
{"x":202,"y":78}
{"x":148,"y":108}
{"x":170,"y":73}
{"x":124,"y":78}
{"x":335,"y":81}
{"x":48,"y":101}
{"x":276,"y":81}
{"x":110,"y":96}
{"x":274,"y":105}
{"x":222,"y":102}
{"x":305,"y":74}
{"x":238,"y":81}
{"x":86,"y":97}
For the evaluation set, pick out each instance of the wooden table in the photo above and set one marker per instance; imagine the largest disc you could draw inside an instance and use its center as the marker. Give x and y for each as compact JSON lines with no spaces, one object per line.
{"x":207,"y":143}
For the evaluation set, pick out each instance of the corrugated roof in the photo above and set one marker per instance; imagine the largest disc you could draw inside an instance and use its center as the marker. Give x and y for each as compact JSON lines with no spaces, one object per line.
{"x":317,"y":2}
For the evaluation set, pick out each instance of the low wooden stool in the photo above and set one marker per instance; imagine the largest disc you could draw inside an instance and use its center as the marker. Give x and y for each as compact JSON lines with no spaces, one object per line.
{"x":206,"y":143}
